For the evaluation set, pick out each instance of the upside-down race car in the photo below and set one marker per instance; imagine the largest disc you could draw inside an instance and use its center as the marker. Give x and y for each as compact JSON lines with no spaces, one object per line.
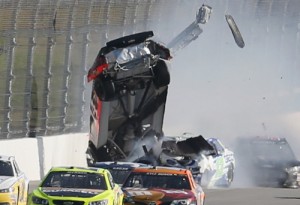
{"x":73,"y":185}
{"x":13,"y":182}
{"x":162,"y":185}
{"x":130,"y":78}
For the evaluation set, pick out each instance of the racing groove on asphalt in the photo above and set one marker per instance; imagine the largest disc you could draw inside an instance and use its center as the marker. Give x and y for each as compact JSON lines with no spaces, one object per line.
{"x":243,"y":196}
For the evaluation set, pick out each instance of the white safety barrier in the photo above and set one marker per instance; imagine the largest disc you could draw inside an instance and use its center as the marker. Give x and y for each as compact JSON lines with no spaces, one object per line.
{"x":36,"y":156}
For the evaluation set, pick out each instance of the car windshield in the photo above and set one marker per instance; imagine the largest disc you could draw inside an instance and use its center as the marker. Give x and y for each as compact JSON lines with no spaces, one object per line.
{"x":275,"y":151}
{"x":81,"y":180}
{"x":157,"y":180}
{"x":6,"y":169}
{"x":119,"y":175}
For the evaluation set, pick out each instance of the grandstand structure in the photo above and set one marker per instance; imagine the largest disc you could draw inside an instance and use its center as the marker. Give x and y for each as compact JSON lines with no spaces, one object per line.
{"x":47,"y":47}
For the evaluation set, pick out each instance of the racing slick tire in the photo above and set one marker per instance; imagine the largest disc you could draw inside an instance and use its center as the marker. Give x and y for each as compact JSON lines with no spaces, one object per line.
{"x":161,"y":74}
{"x":105,"y":88}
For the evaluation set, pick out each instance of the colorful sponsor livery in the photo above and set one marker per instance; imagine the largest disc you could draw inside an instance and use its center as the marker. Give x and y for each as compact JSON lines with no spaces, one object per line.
{"x":77,"y":186}
{"x":13,"y":182}
{"x":162,"y":185}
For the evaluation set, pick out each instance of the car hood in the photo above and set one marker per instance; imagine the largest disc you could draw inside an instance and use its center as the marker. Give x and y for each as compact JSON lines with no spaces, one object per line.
{"x":157,"y":194}
{"x":186,"y":147}
{"x":70,"y":192}
{"x":6,"y":181}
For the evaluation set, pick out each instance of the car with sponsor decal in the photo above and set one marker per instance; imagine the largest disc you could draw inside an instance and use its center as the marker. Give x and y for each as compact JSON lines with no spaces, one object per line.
{"x":268,"y":161}
{"x":119,"y":170}
{"x":219,"y":165}
{"x":77,"y":186}
{"x":162,"y":185}
{"x":211,"y":163}
{"x":13,"y":182}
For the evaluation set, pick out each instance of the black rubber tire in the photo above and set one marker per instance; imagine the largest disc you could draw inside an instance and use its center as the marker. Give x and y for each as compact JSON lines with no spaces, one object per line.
{"x":105,"y":88}
{"x":91,"y":150}
{"x":161,"y":74}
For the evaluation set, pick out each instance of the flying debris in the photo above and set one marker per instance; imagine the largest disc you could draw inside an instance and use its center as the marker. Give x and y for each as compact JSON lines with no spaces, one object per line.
{"x":235,"y":31}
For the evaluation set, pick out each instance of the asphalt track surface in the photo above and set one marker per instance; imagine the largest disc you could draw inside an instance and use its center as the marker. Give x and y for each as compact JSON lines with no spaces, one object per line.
{"x":244,"y":196}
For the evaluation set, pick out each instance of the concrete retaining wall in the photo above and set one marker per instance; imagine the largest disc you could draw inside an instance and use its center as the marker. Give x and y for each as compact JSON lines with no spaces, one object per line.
{"x":36,"y":156}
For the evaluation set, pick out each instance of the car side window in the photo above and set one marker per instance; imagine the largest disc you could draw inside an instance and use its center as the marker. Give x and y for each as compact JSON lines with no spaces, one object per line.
{"x":218,"y":147}
{"x":6,"y":168}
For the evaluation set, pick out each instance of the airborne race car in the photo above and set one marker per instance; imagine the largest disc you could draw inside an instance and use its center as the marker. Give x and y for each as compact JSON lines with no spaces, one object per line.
{"x":130,"y":83}
{"x":130,"y":76}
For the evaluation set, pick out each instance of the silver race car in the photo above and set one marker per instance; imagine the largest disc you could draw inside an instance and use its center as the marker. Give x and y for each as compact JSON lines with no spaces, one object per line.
{"x":211,"y":163}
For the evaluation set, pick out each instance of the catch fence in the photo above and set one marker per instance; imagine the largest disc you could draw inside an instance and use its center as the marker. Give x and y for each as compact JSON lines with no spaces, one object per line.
{"x":47,"y":47}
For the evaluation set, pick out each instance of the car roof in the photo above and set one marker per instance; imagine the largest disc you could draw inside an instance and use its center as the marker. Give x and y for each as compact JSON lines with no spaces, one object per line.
{"x":264,"y":139}
{"x":6,"y":158}
{"x":78,"y":169}
{"x":117,"y":164}
{"x":162,"y":169}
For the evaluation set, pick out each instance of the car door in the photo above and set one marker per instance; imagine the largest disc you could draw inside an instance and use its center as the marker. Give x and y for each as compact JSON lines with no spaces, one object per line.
{"x":218,"y":159}
{"x":22,"y":182}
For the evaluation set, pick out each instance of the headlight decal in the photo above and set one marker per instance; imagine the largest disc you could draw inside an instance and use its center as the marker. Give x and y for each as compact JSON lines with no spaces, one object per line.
{"x":8,"y":190}
{"x":100,"y":202}
{"x":184,"y":202}
{"x":38,"y":200}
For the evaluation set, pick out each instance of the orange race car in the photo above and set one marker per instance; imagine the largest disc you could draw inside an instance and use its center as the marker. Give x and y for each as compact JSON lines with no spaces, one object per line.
{"x":162,"y":186}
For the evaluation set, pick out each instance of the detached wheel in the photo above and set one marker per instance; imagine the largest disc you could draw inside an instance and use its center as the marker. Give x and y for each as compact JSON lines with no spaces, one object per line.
{"x":161,"y":74}
{"x":105,"y":88}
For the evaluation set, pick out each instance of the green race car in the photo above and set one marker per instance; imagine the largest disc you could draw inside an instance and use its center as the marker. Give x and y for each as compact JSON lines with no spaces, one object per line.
{"x":77,"y":186}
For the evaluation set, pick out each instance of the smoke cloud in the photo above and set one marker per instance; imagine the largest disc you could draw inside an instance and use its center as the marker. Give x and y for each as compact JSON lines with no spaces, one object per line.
{"x":220,"y":90}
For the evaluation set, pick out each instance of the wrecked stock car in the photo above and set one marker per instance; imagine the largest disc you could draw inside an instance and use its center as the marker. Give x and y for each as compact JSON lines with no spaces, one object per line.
{"x":211,"y":163}
{"x":130,"y":84}
{"x":268,"y":161}
{"x":130,"y":78}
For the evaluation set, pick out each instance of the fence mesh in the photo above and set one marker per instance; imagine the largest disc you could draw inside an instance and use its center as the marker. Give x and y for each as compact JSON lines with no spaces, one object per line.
{"x":47,"y":46}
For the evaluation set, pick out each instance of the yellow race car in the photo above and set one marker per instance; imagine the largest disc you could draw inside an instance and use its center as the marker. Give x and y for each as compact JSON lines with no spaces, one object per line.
{"x":77,"y":186}
{"x":13,"y":182}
